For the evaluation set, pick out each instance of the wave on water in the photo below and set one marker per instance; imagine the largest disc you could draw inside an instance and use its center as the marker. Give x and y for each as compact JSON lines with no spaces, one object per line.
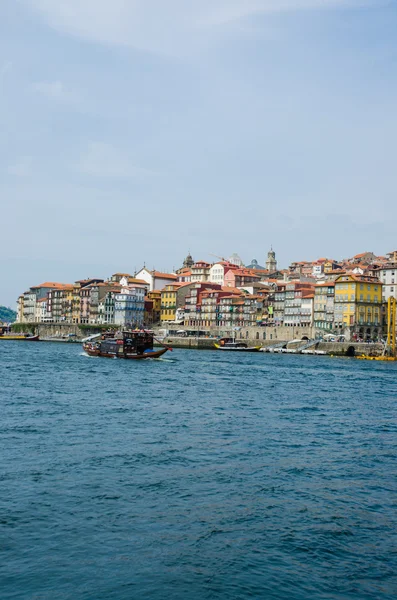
{"x":201,"y":476}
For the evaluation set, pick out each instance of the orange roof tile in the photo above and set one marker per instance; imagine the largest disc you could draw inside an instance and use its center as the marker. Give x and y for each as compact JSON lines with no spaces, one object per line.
{"x":49,"y":284}
{"x":160,"y":275}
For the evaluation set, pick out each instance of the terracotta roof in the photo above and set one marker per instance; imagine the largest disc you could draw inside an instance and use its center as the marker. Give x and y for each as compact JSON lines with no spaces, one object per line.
{"x":160,"y":275}
{"x":135,"y":280}
{"x":361,"y":278}
{"x":49,"y":284}
{"x":63,"y":286}
{"x":230,"y":289}
{"x":326,"y":284}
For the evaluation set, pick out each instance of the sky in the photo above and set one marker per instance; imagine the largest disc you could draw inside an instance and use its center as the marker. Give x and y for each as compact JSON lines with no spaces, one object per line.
{"x":133,"y":131}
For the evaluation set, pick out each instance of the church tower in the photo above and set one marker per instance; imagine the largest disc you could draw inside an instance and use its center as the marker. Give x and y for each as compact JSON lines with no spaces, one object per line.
{"x":271,"y":263}
{"x":188,"y":262}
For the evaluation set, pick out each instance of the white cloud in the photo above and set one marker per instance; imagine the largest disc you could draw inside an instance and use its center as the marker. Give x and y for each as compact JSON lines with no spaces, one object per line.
{"x":163,"y":25}
{"x":104,"y":160}
{"x":22,"y":168}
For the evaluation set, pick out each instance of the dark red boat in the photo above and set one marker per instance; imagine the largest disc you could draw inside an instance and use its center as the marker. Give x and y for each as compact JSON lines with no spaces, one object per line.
{"x":136,"y":344}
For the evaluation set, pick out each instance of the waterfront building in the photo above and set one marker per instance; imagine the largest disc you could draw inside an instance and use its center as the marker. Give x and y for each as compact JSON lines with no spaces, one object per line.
{"x":108,"y":306}
{"x":155,"y":297}
{"x":279,"y":303}
{"x":200,"y":271}
{"x":358,"y":302}
{"x":59,"y":303}
{"x":168,"y":302}
{"x":129,"y":307}
{"x":155,"y":279}
{"x":173,"y":299}
{"x":148,"y":314}
{"x":98,"y":292}
{"x":193,"y":301}
{"x":388,"y":276}
{"x":324,"y":294}
{"x":20,"y":309}
{"x":31,"y":297}
{"x":208,"y":313}
{"x":298,"y":308}
{"x":41,"y":310}
{"x":29,"y":306}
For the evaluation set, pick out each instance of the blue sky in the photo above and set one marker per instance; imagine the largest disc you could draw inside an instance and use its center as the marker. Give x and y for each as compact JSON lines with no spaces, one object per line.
{"x":132,"y":131}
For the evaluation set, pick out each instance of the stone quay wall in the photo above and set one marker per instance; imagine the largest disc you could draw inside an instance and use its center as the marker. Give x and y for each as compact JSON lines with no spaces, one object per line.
{"x":259,"y":335}
{"x":254,"y":336}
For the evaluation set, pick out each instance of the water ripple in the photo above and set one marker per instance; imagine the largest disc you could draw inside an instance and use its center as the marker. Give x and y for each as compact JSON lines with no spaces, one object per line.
{"x":203,"y":476}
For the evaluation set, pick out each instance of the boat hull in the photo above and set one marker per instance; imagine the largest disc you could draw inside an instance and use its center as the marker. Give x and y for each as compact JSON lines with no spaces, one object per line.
{"x":145,"y":355}
{"x":382,"y":358}
{"x":225,"y":348}
{"x":20,"y":338}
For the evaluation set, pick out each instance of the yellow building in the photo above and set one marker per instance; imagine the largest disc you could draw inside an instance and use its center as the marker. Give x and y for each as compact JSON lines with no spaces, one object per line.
{"x":155,"y":297}
{"x":358,"y":305}
{"x":168,"y":302}
{"x":68,"y":303}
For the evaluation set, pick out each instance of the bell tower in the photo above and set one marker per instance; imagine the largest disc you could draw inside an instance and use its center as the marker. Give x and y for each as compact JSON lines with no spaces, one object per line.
{"x":271,"y":263}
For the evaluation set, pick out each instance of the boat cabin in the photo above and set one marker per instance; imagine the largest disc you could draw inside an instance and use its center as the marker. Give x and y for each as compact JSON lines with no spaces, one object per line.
{"x":231,"y":343}
{"x":127,"y":342}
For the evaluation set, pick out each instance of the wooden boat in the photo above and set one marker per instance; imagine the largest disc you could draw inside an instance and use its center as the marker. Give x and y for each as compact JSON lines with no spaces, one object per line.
{"x":136,"y":345}
{"x":231,"y":344}
{"x":7,"y":334}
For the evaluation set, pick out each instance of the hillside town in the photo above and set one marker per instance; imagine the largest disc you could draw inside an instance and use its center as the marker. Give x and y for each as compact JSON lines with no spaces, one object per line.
{"x":325,"y":294}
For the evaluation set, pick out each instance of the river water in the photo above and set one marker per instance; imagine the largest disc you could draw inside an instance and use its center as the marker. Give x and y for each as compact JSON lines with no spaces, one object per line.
{"x":203,"y":475}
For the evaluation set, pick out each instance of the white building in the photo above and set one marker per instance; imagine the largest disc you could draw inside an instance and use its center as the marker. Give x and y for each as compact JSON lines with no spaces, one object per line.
{"x":129,"y":307}
{"x":155,"y":279}
{"x":318,"y":270}
{"x":236,"y":260}
{"x":29,"y":307}
{"x":41,"y":310}
{"x":217,"y":272}
{"x":388,"y":276}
